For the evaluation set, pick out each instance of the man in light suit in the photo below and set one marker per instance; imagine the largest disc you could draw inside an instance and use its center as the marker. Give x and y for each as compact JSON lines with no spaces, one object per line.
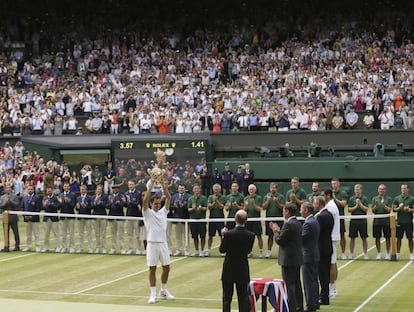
{"x":289,"y":239}
{"x":326,"y":224}
{"x":236,"y":244}
{"x":310,"y":251}
{"x":9,"y":201}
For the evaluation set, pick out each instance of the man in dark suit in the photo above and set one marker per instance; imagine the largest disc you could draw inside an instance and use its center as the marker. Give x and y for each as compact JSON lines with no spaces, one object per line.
{"x":326,"y":223}
{"x":248,"y":178}
{"x":289,"y":239}
{"x":31,"y":203}
{"x":206,"y":122}
{"x":310,"y":251}
{"x":236,"y":244}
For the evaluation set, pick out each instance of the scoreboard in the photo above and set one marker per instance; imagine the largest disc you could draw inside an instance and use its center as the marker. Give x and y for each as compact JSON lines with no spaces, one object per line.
{"x":174,"y":149}
{"x":136,"y":153}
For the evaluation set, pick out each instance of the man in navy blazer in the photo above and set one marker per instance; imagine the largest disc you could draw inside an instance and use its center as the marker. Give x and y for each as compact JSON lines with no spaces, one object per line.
{"x":289,"y":239}
{"x":236,"y":244}
{"x":310,"y":251}
{"x":326,"y":223}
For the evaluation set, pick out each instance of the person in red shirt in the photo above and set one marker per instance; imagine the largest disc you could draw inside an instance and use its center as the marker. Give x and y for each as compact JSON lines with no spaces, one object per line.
{"x":162,"y":124}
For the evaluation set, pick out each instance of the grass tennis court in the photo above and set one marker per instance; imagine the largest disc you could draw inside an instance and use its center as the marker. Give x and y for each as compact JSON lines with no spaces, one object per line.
{"x":94,"y":282}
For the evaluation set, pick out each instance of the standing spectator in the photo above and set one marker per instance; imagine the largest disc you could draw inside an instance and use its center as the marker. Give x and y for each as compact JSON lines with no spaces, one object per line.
{"x":326,"y":224}
{"x":179,"y":211}
{"x":99,"y":203}
{"x":106,"y":124}
{"x":314,"y":193}
{"x":403,"y":204}
{"x":368,"y":120}
{"x":351,"y":119}
{"x":358,"y":206}
{"x":117,"y":202}
{"x":215,"y":205}
{"x":123,"y":124}
{"x":84,"y":207}
{"x":216,"y":123}
{"x":197,"y":207}
{"x":96,"y":124}
{"x":134,"y":209}
{"x":337,"y":121}
{"x":205,"y":177}
{"x":311,"y":256}
{"x":253,"y":121}
{"x":239,"y":178}
{"x":74,"y":182}
{"x":216,"y":178}
{"x":114,"y":118}
{"x":296,"y":195}
{"x":162,"y":124}
{"x":227,"y":177}
{"x":206,"y":122}
{"x":273,"y":203}
{"x":109,"y":177}
{"x":9,"y":201}
{"x":145,"y":124}
{"x":289,"y":239}
{"x":67,"y":200}
{"x":236,"y":244}
{"x":234,"y":202}
{"x":96,"y":177}
{"x":248,"y":177}
{"x":253,"y":206}
{"x":50,"y":204}
{"x":382,"y":204}
{"x":31,"y":203}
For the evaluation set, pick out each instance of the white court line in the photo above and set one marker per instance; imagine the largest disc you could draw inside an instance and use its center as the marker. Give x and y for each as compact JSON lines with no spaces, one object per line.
{"x":382,"y":287}
{"x":17,"y":257}
{"x":96,"y":295}
{"x":119,"y":279}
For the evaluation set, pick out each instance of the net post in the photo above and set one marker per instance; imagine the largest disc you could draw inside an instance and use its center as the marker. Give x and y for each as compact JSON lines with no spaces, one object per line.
{"x":6,"y":230}
{"x":393,"y":226}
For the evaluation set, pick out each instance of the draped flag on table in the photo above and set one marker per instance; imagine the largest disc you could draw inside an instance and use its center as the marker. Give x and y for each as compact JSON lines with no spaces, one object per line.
{"x":273,"y":289}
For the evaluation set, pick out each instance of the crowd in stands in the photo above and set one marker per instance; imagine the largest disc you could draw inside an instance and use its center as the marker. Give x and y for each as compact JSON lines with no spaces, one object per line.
{"x":270,"y":77}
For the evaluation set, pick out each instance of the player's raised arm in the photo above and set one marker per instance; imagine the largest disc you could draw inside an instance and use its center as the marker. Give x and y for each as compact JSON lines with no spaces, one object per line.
{"x":148,"y":195}
{"x":166,"y":194}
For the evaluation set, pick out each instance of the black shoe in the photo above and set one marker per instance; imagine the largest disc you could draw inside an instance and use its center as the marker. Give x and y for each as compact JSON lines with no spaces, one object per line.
{"x":309,"y":310}
{"x":5,"y":249}
{"x":324,"y":301}
{"x":16,"y":249}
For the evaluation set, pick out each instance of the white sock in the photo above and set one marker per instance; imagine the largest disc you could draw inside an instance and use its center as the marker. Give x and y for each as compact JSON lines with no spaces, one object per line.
{"x":153,"y":290}
{"x":163,"y":286}
{"x":334,"y":286}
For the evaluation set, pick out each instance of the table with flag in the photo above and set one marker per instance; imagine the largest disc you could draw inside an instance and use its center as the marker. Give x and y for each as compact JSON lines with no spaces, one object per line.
{"x":272,"y":289}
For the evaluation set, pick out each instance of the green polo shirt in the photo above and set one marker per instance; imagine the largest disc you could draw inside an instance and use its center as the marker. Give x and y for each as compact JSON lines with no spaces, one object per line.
{"x":251,"y":211}
{"x":381,"y":210}
{"x":236,"y":198}
{"x":403,"y":216}
{"x":272,"y":210}
{"x":358,"y":212}
{"x":200,"y":201}
{"x":217,"y":212}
